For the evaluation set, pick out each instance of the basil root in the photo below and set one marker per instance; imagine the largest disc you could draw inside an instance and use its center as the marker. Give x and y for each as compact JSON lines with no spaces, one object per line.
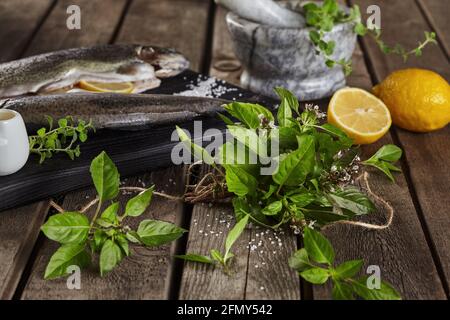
{"x":312,"y":188}
{"x":107,"y":233}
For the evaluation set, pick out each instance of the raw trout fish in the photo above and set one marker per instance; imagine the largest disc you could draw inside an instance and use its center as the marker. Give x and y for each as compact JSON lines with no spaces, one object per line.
{"x":62,"y":70}
{"x":113,"y":110}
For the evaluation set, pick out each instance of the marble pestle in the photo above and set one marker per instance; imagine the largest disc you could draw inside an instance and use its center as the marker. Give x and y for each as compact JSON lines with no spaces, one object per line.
{"x":265,"y":12}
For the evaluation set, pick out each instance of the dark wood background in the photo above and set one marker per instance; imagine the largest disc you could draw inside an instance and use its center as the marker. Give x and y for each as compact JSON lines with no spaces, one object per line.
{"x":413,"y":254}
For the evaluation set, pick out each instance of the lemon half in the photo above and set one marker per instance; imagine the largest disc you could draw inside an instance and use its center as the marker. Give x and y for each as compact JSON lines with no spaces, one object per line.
{"x":361,"y":115}
{"x":120,"y":87}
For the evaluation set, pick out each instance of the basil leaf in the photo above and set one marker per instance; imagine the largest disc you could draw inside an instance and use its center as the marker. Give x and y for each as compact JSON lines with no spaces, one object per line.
{"x":67,"y":227}
{"x":295,"y":167}
{"x":284,"y":114}
{"x":348,"y":269}
{"x":248,"y":113}
{"x":215,"y":254}
{"x":225,"y":119}
{"x":155,"y":233}
{"x":268,"y":194}
{"x":342,"y":291}
{"x":322,"y":216}
{"x":195,"y":258}
{"x":198,"y":152}
{"x":105,"y":176}
{"x":241,"y":208}
{"x":239,"y":154}
{"x":289,"y":97}
{"x":110,"y":213}
{"x":386,"y":291}
{"x":273,"y":208}
{"x":98,"y":240}
{"x":250,"y":139}
{"x":352,"y":200}
{"x":302,"y":199}
{"x":239,"y":181}
{"x":287,"y":138}
{"x":133,"y":237}
{"x":318,"y":247}
{"x":388,"y":152}
{"x":233,"y":235}
{"x":300,"y":260}
{"x":67,"y":255}
{"x":137,"y":205}
{"x":110,"y":256}
{"x":122,"y":241}
{"x":345,"y":140}
{"x":315,"y":275}
{"x":382,"y":166}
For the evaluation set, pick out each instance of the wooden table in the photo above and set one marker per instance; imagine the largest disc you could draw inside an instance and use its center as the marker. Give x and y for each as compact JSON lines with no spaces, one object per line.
{"x":414,"y":253}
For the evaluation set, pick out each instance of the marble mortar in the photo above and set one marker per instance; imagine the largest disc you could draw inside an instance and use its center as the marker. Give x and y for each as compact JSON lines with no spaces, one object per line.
{"x":274,"y":56}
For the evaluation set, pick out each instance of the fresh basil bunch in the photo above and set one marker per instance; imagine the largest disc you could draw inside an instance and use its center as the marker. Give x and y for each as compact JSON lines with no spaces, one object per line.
{"x":107,"y":233}
{"x":312,"y":187}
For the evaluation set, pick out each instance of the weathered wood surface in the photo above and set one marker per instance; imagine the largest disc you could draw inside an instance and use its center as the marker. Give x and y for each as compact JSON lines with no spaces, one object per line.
{"x":437,"y":12}
{"x":148,"y":274}
{"x":426,"y":155}
{"x":18,"y":231}
{"x":260,"y":269}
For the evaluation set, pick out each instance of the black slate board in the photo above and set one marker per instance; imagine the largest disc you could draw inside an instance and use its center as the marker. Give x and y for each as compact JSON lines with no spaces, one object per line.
{"x":132,"y":151}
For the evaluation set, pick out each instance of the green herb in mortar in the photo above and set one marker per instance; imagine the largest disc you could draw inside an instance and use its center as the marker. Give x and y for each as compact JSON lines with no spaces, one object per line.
{"x":322,"y":18}
{"x":107,"y":233}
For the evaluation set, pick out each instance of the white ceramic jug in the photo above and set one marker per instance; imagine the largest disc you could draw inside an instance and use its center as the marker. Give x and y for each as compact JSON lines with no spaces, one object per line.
{"x":14,"y":147}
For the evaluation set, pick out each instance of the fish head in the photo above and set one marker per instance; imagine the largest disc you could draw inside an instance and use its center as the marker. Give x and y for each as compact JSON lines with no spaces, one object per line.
{"x":167,"y":62}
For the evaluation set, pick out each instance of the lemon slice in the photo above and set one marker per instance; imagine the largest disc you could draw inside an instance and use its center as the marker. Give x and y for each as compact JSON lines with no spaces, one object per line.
{"x":361,"y":115}
{"x":119,"y":87}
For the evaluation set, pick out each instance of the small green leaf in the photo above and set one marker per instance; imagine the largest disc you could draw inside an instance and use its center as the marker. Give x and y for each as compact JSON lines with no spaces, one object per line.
{"x":198,"y":152}
{"x":348,"y":269}
{"x":353,"y":200}
{"x":302,"y":199}
{"x":105,"y":176}
{"x":294,"y":168}
{"x":315,"y":275}
{"x":195,"y":258}
{"x":67,"y":227}
{"x":239,"y":181}
{"x":342,"y":291}
{"x":217,"y":256}
{"x":386,"y":291}
{"x":110,"y":213}
{"x":233,"y":235}
{"x":99,"y":239}
{"x":67,"y":255}
{"x":318,"y":247}
{"x":360,"y":29}
{"x":291,"y":99}
{"x":122,"y":241}
{"x":284,"y":114}
{"x":273,"y":208}
{"x":388,"y":152}
{"x":137,"y":205}
{"x":41,"y":132}
{"x":250,"y":114}
{"x":155,"y":233}
{"x":110,"y":256}
{"x":133,"y":237}
{"x":300,"y":260}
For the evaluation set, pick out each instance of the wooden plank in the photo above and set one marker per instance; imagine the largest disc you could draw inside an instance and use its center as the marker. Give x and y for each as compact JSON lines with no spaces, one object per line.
{"x":437,"y":12}
{"x":142,"y":275}
{"x":426,"y":155}
{"x":260,"y":270}
{"x":179,"y":24}
{"x":397,"y":250}
{"x":18,"y":21}
{"x":147,"y":274}
{"x":95,"y":28}
{"x":19,"y":228}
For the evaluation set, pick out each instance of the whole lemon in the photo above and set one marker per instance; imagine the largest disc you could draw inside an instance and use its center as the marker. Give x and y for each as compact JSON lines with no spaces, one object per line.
{"x":418,"y":99}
